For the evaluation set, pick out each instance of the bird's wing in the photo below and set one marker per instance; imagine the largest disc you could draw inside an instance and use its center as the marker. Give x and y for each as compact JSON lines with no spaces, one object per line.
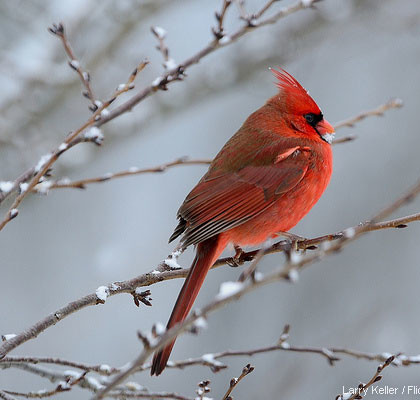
{"x":222,"y":201}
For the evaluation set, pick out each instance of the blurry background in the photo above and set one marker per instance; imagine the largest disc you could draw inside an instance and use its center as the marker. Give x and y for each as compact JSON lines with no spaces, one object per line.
{"x":352,"y":55}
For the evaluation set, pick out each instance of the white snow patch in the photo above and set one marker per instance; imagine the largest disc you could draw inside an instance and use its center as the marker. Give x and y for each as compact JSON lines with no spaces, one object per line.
{"x":63,"y":146}
{"x":293,"y":275}
{"x":209,"y":358}
{"x":157,"y":81}
{"x":104,"y":112}
{"x":225,"y":40}
{"x":94,"y":383}
{"x":155,"y":272}
{"x":64,"y":385}
{"x":114,"y":286}
{"x":307,"y":3}
{"x":72,"y":374}
{"x":102,"y":293}
{"x":43,"y":187}
{"x":414,"y":358}
{"x":23,"y":187}
{"x":328,"y":137}
{"x":159,"y":328}
{"x":172,"y":263}
{"x":386,"y":355}
{"x":170,"y":64}
{"x":74,"y":64}
{"x":285,"y":345}
{"x":42,"y":161}
{"x":121,"y":86}
{"x":326,"y":245}
{"x":6,"y":186}
{"x":133,"y":170}
{"x":200,"y":323}
{"x":134,"y":386}
{"x":108,"y":175}
{"x":346,"y":396}
{"x":160,"y":32}
{"x":95,"y":134}
{"x":105,"y":368}
{"x":13,"y":212}
{"x":8,"y":336}
{"x":295,"y":257}
{"x":349,"y":233}
{"x":228,"y":289}
{"x":258,"y":276}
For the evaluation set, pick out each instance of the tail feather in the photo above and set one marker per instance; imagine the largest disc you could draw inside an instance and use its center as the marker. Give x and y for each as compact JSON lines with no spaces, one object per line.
{"x":207,"y":253}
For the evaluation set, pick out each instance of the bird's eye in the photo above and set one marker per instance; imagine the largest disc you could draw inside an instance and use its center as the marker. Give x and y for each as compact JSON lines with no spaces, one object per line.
{"x":310,"y":118}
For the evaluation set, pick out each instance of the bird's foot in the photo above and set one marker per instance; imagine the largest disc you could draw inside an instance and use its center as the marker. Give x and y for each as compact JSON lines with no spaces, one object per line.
{"x":236,"y":261}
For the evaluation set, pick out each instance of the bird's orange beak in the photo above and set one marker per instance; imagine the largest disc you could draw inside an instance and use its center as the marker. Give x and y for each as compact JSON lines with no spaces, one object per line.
{"x":326,"y":130}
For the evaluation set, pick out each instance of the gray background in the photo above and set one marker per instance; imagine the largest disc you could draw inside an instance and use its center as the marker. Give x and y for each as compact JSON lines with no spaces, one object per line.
{"x":351,"y":55}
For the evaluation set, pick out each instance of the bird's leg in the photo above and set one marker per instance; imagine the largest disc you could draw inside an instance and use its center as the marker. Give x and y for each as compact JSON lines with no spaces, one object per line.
{"x":292,"y":244}
{"x":293,"y":239}
{"x":235,"y":261}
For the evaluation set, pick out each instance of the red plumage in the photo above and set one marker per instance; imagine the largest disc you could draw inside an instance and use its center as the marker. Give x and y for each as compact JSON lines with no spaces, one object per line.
{"x":264,"y":181}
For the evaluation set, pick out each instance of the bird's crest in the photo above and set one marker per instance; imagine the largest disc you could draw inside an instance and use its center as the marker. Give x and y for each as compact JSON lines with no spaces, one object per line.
{"x":287,"y":82}
{"x":296,"y":95}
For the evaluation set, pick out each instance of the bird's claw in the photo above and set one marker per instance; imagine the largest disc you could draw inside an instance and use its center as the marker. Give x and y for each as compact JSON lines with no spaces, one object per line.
{"x":236,"y":261}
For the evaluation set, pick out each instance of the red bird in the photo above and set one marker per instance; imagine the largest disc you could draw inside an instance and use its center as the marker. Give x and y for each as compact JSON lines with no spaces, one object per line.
{"x":263,"y":182}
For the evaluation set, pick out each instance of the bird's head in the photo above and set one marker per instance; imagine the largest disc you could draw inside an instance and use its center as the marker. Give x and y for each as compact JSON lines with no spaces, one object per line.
{"x":299,"y":110}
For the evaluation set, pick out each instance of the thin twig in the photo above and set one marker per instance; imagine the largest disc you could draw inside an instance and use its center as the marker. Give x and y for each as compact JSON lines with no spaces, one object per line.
{"x":82,"y":183}
{"x":5,"y":396}
{"x":196,"y":58}
{"x":46,"y":162}
{"x":362,"y":387}
{"x":219,"y":32}
{"x":161,"y":275}
{"x":293,"y":265}
{"x":159,"y":83}
{"x":58,"y":30}
{"x":64,"y":183}
{"x":376,"y":112}
{"x":102,"y":369}
{"x":235,"y":381}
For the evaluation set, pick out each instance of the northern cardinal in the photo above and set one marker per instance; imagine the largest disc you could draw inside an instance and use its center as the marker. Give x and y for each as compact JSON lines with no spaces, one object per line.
{"x":263,"y":182}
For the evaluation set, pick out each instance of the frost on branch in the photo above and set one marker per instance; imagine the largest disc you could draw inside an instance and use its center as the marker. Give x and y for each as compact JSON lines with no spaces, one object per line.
{"x":6,"y":186}
{"x":13,"y":213}
{"x":228,"y":289}
{"x":8,"y":336}
{"x":159,"y":32}
{"x":42,"y":161}
{"x":94,"y":135}
{"x":101,"y":294}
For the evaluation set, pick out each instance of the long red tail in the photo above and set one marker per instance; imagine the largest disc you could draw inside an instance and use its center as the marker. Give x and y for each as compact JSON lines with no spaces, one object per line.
{"x":207,"y":253}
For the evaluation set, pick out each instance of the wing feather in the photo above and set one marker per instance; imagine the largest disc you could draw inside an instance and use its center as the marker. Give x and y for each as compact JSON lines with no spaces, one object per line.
{"x":222,"y":201}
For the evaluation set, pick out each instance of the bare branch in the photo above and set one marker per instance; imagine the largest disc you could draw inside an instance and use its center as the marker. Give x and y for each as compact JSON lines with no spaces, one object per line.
{"x":235,"y":381}
{"x":362,"y":387}
{"x":82,"y":183}
{"x":219,"y":32}
{"x":161,"y":274}
{"x":164,"y":80}
{"x":58,"y":30}
{"x":376,"y":112}
{"x":73,"y":138}
{"x":64,"y":183}
{"x":5,"y":396}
